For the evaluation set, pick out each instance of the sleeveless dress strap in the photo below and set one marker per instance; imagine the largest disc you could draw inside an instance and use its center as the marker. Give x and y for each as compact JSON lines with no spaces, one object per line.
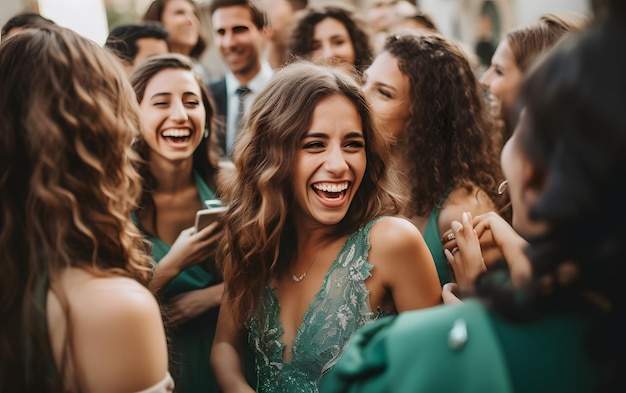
{"x":203,"y":189}
{"x":432,"y":239}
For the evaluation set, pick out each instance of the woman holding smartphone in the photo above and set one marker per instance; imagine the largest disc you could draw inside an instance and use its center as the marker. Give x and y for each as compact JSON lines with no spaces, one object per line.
{"x":178,"y":178}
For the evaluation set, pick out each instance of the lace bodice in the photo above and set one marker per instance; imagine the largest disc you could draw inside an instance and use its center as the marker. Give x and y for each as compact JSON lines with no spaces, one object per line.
{"x":338,"y":310}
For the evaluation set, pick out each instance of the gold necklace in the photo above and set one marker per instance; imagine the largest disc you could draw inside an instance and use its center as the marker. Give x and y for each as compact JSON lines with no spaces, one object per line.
{"x":301,"y":277}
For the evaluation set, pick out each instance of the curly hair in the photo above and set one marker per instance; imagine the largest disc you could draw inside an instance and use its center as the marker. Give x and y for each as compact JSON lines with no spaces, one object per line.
{"x":448,"y":140}
{"x":259,"y":233}
{"x":574,"y":131}
{"x":204,"y":161}
{"x":67,"y":185}
{"x":301,"y":40}
{"x":154,"y":13}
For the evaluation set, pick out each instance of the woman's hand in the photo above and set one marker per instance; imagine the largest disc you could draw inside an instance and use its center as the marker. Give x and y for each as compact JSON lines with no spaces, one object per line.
{"x":189,"y":249}
{"x":449,"y":293}
{"x":490,"y":249}
{"x":465,"y":259}
{"x":494,"y":231}
{"x":189,"y":305}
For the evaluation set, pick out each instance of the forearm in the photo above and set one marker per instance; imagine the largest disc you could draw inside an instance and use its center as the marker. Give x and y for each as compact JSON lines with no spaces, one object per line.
{"x":213,"y":295}
{"x":164,"y":272}
{"x":517,"y":260}
{"x":227,"y":353}
{"x":512,"y":246}
{"x":228,"y":368}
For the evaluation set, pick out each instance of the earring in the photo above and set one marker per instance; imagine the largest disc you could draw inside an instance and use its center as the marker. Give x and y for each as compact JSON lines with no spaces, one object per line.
{"x":206,"y":133}
{"x":502,"y":187}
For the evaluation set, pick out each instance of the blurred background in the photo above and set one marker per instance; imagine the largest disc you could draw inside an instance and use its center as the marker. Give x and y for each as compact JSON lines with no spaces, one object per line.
{"x":472,"y":22}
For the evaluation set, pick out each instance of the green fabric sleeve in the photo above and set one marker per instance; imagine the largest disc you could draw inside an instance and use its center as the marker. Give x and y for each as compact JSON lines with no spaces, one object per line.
{"x":411,"y":353}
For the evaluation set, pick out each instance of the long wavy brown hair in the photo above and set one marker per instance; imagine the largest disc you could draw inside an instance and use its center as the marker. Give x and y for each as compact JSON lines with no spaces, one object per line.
{"x":67,"y":186}
{"x":447,"y":141}
{"x":204,"y":158}
{"x":260,"y":235}
{"x":301,"y":40}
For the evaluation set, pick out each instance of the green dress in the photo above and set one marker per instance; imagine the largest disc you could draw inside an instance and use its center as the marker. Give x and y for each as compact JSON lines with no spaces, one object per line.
{"x":338,"y":310}
{"x":192,"y":341}
{"x":432,"y":238}
{"x":464,"y":348}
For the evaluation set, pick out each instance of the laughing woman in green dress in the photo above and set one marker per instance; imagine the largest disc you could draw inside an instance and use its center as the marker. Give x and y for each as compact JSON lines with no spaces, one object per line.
{"x":178,"y":179}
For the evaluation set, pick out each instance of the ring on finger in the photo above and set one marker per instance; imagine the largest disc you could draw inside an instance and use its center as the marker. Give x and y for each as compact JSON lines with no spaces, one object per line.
{"x":455,"y":249}
{"x":450,"y":236}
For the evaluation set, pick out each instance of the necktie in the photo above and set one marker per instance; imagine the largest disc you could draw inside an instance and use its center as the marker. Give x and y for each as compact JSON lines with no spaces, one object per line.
{"x":242,"y":91}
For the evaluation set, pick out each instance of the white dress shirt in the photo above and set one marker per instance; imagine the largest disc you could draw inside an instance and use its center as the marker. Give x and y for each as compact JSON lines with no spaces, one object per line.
{"x":232,"y":107}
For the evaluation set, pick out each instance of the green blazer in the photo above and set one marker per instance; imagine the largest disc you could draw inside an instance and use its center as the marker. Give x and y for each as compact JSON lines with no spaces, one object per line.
{"x":463,"y":348}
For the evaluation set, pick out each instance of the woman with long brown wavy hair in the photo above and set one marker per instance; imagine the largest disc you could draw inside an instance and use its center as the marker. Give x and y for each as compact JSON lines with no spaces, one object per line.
{"x":76,"y":315}
{"x":424,"y":90}
{"x":309,"y":256}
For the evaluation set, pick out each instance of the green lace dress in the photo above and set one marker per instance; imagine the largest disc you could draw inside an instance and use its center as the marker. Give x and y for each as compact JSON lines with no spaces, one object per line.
{"x":338,"y":310}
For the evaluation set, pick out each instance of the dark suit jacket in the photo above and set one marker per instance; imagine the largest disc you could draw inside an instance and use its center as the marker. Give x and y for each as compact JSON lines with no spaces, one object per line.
{"x":217,"y":90}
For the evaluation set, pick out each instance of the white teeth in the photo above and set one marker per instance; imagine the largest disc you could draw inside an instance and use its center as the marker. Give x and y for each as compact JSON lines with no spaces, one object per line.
{"x":176,"y":133}
{"x":331,"y":187}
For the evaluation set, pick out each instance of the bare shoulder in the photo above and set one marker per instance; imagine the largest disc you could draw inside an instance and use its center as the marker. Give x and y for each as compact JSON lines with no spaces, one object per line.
{"x":112,"y":297}
{"x":392,"y":235}
{"x":117,"y":332}
{"x":403,"y":266}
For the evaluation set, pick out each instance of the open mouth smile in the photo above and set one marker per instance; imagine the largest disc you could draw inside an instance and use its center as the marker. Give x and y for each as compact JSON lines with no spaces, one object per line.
{"x":330,"y":191}
{"x":177,"y":135}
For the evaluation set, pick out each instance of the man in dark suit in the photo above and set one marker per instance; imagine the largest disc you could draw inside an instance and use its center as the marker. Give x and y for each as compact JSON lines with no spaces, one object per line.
{"x":240,"y":32}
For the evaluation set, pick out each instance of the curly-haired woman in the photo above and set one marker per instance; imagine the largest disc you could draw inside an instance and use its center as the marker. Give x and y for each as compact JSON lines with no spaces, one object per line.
{"x":332,"y":35}
{"x":423,"y":89}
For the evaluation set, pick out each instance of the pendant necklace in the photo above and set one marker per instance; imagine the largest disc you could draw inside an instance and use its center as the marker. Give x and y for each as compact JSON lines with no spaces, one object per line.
{"x":301,"y":277}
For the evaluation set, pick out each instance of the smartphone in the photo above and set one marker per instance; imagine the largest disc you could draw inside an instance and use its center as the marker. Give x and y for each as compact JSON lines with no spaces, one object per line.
{"x":205,"y":217}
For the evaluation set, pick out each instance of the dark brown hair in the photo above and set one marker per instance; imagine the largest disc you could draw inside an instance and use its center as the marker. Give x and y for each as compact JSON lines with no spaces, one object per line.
{"x":447,"y":140}
{"x":257,"y":12}
{"x":204,"y":162}
{"x":301,"y":42}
